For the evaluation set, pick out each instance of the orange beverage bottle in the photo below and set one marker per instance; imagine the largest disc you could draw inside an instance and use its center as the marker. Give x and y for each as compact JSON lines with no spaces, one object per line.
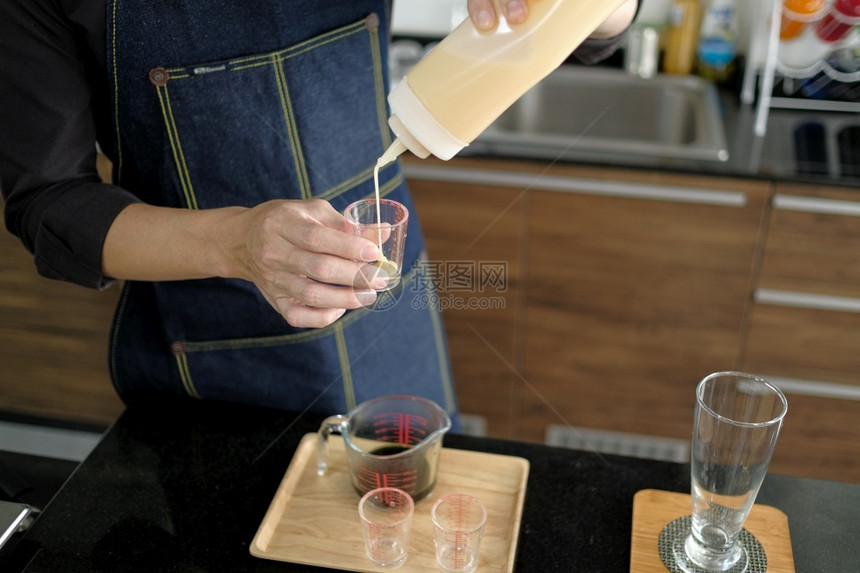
{"x":796,"y":14}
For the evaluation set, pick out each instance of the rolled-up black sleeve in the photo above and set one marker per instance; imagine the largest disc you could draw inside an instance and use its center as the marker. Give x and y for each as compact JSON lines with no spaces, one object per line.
{"x":594,"y":50}
{"x":50,"y":78}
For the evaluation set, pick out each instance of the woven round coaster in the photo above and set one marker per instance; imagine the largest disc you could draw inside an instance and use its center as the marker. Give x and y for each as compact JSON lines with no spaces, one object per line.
{"x":674,"y":534}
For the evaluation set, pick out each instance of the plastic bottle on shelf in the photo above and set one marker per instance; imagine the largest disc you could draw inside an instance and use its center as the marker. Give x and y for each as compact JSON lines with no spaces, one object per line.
{"x":460,"y":87}
{"x":838,"y":22}
{"x":681,"y":35}
{"x":718,"y":40}
{"x":796,"y":14}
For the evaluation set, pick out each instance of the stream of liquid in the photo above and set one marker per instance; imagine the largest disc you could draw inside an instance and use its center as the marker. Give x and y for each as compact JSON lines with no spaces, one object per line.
{"x":393,"y":151}
{"x":378,"y":209}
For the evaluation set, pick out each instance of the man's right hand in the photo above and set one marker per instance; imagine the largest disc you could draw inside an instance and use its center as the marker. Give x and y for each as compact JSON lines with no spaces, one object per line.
{"x":484,"y":17}
{"x":298,"y":253}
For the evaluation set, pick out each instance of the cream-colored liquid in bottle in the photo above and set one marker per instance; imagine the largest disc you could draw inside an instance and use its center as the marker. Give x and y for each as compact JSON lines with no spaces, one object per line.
{"x":457,"y":90}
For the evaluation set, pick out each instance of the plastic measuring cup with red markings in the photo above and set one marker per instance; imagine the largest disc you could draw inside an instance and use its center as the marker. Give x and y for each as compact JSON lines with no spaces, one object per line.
{"x":458,"y":525}
{"x":385,"y":515}
{"x":391,"y":441}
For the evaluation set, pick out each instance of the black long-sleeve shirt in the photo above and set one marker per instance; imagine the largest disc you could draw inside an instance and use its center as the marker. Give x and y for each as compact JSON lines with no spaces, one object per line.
{"x":54,"y":106}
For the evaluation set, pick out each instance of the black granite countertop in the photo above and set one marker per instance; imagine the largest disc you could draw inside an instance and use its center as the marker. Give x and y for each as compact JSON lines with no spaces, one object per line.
{"x":183,"y":487}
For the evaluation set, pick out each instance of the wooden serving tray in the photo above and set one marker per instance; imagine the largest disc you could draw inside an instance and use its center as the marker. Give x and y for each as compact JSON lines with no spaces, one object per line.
{"x":313,"y":520}
{"x":654,"y":509}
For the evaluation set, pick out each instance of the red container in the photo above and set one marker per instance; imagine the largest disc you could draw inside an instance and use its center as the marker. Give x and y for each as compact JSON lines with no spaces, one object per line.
{"x":844,"y":15}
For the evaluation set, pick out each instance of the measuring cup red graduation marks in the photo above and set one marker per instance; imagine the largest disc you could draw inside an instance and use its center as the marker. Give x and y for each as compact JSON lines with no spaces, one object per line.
{"x":391,"y":441}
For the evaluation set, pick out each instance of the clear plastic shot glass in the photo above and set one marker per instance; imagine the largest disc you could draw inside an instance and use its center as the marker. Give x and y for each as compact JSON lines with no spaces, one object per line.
{"x":458,"y":523}
{"x":386,"y":517}
{"x":385,"y":224}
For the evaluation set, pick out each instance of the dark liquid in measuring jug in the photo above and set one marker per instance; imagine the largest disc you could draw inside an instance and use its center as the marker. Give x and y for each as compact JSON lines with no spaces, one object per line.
{"x":390,"y":450}
{"x":414,"y":475}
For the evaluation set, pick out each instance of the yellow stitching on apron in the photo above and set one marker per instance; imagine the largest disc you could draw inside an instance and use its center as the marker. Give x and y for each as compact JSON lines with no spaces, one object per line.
{"x":275,"y":58}
{"x":298,"y":49}
{"x":379,"y":82}
{"x":280,"y":340}
{"x":381,"y":115}
{"x":265,"y":62}
{"x":388,"y":187}
{"x":292,"y":131}
{"x":258,"y":60}
{"x":185,"y":374}
{"x":116,"y":94}
{"x":346,"y":184}
{"x":176,"y":147}
{"x":284,"y":339}
{"x":346,"y":372}
{"x":441,"y":354}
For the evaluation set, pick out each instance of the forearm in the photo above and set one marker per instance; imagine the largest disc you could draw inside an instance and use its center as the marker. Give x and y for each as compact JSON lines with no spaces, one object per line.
{"x":618,"y":21}
{"x":151,"y":243}
{"x":484,"y":15}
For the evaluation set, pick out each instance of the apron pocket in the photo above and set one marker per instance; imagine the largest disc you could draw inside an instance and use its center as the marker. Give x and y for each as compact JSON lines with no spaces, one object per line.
{"x":396,"y":347}
{"x":305,"y":121}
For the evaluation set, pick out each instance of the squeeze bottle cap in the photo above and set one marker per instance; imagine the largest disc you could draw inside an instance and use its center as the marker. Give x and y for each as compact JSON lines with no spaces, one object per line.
{"x":421,"y":132}
{"x":393,"y":152}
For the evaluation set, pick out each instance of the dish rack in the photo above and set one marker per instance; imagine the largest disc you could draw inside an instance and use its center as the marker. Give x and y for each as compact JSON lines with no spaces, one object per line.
{"x":767,"y":67}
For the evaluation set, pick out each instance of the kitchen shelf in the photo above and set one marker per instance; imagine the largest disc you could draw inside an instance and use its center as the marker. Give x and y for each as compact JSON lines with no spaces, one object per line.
{"x":765,"y":71}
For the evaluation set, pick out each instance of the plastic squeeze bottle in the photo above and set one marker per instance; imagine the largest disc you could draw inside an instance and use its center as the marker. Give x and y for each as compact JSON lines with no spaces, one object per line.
{"x":681,"y":36}
{"x":458,"y":89}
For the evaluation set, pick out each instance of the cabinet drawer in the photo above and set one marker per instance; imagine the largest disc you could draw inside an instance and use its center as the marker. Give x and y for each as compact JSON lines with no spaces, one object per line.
{"x":804,"y":343}
{"x":806,"y":320}
{"x":820,"y":439}
{"x":471,"y":229}
{"x":632,"y":298}
{"x":813,"y":243}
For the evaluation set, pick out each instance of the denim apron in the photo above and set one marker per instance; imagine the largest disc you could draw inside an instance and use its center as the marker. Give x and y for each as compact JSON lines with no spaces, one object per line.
{"x":228,"y":102}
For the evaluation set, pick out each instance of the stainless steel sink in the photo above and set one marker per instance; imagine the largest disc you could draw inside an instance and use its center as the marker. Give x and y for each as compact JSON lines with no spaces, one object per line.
{"x":580,"y":111}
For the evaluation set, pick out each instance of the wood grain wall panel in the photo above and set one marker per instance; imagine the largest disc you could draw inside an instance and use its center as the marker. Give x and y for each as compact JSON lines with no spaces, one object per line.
{"x":473,"y":225}
{"x":820,"y":439}
{"x":629,"y":303}
{"x":803,"y":343}
{"x":53,"y":343}
{"x":809,"y":249}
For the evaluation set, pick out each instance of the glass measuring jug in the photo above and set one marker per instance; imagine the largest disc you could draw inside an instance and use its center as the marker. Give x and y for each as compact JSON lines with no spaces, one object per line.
{"x":390,"y":441}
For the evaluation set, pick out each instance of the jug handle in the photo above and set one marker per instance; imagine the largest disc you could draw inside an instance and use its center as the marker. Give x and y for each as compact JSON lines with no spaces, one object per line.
{"x":330,"y":425}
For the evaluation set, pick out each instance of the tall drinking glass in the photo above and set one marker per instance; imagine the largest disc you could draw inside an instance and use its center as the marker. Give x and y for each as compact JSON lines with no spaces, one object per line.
{"x":738,"y":417}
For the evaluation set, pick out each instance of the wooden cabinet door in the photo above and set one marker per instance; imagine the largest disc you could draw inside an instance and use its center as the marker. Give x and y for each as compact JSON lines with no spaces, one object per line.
{"x":625,"y":288}
{"x":636,"y":288}
{"x":473,"y":231}
{"x":807,"y":317}
{"x":53,"y":344}
{"x":805,"y":328}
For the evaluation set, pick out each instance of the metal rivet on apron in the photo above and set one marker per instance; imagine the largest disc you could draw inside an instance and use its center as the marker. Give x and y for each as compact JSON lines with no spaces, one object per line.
{"x":372,"y":22}
{"x":177,"y":348}
{"x":158,"y":76}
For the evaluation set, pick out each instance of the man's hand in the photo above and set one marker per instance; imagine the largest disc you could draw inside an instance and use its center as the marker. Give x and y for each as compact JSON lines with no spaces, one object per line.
{"x":618,"y":21}
{"x":303,"y":261}
{"x":484,"y":17}
{"x":297,"y":253}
